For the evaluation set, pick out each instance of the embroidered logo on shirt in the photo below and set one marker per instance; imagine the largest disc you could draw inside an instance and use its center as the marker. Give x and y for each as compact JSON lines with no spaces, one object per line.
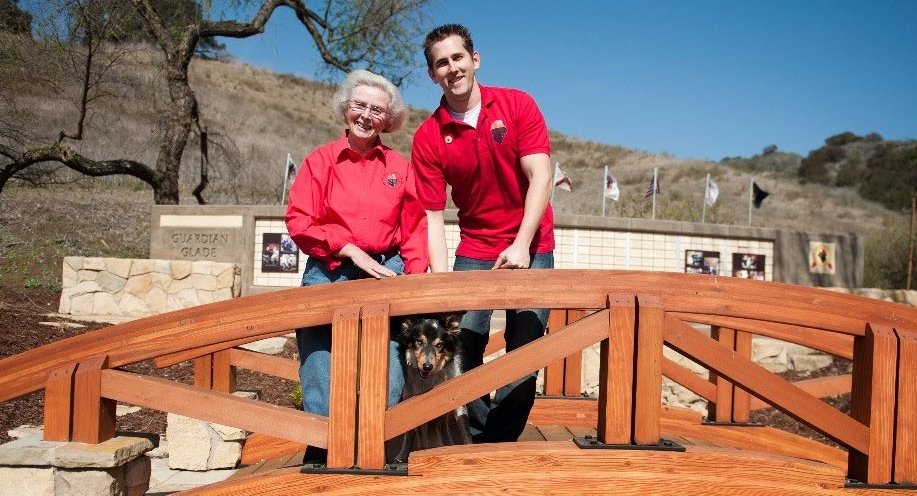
{"x":448,"y":139}
{"x":391,"y":180}
{"x":498,"y":131}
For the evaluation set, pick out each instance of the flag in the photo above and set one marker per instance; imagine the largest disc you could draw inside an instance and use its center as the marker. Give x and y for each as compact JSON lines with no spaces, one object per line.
{"x":652,"y":187}
{"x":759,"y":195}
{"x":561,"y":180}
{"x":711,"y":193}
{"x":291,"y":170}
{"x":611,"y":188}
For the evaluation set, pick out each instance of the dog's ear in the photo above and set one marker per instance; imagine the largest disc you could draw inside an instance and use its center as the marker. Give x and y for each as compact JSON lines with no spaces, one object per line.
{"x":406,"y":324}
{"x":453,"y":321}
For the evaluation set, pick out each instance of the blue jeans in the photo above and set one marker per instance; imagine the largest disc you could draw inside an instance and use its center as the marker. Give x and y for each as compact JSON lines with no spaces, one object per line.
{"x":503,"y":418}
{"x":314,"y":343}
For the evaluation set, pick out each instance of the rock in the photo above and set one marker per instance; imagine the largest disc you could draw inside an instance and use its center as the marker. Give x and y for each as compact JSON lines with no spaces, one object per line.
{"x":141,"y":266}
{"x":75,"y":263}
{"x":87,"y":275}
{"x":63,"y":325}
{"x":122,"y":410}
{"x":114,"y":452}
{"x":155,"y":300}
{"x":189,"y":442}
{"x":93,"y":263}
{"x":110,"y":283}
{"x":201,"y":267}
{"x":810,"y":362}
{"x":26,"y":481}
{"x":226,"y":278}
{"x":28,"y":451}
{"x":26,"y":430}
{"x":224,"y":455}
{"x":82,"y":304}
{"x":105,"y":304}
{"x":162,"y":266}
{"x":269,"y":346}
{"x":90,"y":482}
{"x":206,"y":282}
{"x":139,"y":285}
{"x":180,"y":269}
{"x":120,"y":267}
{"x":133,"y":306}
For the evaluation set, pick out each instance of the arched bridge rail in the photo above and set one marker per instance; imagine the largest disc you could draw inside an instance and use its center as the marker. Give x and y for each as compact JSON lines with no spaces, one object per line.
{"x":632,"y":314}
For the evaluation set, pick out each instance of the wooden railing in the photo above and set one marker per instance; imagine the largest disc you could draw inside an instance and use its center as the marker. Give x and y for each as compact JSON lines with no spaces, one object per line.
{"x":634,"y":314}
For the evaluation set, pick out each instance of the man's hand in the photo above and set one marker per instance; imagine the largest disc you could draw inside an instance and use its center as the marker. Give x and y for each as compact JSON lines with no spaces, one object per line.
{"x":362,"y":260}
{"x":514,"y":257}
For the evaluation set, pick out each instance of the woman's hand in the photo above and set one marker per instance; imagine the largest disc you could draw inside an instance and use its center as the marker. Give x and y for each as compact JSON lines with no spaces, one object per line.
{"x":365,"y":262}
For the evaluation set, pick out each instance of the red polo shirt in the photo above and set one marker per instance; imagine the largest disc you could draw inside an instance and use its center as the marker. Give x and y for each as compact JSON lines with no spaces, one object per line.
{"x":482,"y":166}
{"x":341,"y":197}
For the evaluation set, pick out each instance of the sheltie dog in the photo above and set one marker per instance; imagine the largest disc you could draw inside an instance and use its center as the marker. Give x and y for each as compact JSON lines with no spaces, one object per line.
{"x":432,"y":350}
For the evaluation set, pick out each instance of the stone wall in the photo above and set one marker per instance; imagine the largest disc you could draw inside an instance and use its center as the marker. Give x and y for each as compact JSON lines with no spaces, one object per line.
{"x":139,"y":288}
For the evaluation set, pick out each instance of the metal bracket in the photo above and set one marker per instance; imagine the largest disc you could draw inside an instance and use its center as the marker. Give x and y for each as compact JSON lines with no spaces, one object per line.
{"x":388,"y":469}
{"x":855,"y":484}
{"x":590,"y":442}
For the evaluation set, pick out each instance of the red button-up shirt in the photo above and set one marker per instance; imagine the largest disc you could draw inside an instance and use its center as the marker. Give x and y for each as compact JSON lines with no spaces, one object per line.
{"x":483,"y":167}
{"x":341,"y":197}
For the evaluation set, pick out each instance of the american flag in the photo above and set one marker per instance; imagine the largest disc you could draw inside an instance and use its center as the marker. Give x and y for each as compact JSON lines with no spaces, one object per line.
{"x":652,"y":187}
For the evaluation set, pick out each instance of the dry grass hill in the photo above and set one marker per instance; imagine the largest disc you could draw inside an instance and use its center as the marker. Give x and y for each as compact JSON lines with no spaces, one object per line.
{"x":255,"y":117}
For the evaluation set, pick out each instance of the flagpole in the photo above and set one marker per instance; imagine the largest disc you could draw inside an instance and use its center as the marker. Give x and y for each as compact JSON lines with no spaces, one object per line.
{"x":655,"y":187}
{"x":751,"y":197}
{"x":286,"y":169}
{"x":703,"y":214}
{"x":604,"y":183}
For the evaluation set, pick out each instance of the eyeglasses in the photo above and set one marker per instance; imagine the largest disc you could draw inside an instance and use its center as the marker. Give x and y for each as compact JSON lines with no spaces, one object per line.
{"x":360,"y":107}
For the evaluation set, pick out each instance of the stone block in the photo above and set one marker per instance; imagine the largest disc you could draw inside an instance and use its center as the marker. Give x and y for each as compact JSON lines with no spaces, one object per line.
{"x":105,"y":304}
{"x":204,"y":297}
{"x":94,"y":263}
{"x":226,"y":278}
{"x":269,"y":346}
{"x":68,"y":276}
{"x":189,"y":442}
{"x":64,"y":305}
{"x":141,"y":266}
{"x":162,"y":266}
{"x":187,"y":298}
{"x":83,"y":288}
{"x":82,"y":304}
{"x":225,"y":455}
{"x":139,"y":285}
{"x":114,"y":452}
{"x":808,"y":363}
{"x":26,"y":481}
{"x":28,"y":451}
{"x":161,"y":280}
{"x":206,"y":282}
{"x":75,"y":263}
{"x":120,"y":267}
{"x":110,"y":283}
{"x":180,"y":269}
{"x":222,"y":295}
{"x":217,"y":268}
{"x":25,"y":430}
{"x":155,"y":300}
{"x":201,"y":267}
{"x":87,"y":275}
{"x":96,"y":482}
{"x":177,"y":286}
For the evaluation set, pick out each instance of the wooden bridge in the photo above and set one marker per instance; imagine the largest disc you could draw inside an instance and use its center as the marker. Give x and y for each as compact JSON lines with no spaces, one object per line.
{"x":626,"y":442}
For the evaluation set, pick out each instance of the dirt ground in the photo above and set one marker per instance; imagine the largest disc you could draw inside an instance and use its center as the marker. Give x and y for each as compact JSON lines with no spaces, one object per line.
{"x":27,"y":322}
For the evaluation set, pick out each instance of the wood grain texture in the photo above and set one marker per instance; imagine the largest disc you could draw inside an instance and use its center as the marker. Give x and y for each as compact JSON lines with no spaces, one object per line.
{"x":260,"y":447}
{"x":906,"y":427}
{"x":820,"y":387}
{"x":554,"y":372}
{"x":687,"y":378}
{"x":616,"y":372}
{"x":741,"y":400}
{"x":373,"y":396}
{"x":285,"y":368}
{"x":342,"y":420}
{"x":203,"y":371}
{"x":495,"y":343}
{"x":498,"y":372}
{"x":224,"y":373}
{"x":225,"y":324}
{"x":648,"y":370}
{"x":227,"y":409}
{"x":720,"y":410}
{"x":58,"y":408}
{"x":765,"y":385}
{"x":573,"y":364}
{"x":872,"y":402}
{"x":93,"y":413}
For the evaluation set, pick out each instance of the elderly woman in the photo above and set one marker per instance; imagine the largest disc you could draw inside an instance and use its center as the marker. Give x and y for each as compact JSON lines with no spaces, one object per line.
{"x":354,"y":211}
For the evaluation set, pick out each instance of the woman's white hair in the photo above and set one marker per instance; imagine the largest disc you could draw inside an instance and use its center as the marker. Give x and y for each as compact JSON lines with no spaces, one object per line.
{"x":397,"y":111}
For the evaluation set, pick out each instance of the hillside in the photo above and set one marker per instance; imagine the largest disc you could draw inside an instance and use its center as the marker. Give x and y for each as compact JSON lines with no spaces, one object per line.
{"x":255,"y":117}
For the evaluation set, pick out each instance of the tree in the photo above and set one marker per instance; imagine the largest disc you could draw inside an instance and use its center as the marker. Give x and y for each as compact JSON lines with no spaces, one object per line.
{"x":13,"y":19}
{"x":347,"y":33}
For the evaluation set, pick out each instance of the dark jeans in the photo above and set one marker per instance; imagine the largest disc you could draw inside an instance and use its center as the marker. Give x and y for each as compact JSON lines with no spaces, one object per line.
{"x":503,"y":418}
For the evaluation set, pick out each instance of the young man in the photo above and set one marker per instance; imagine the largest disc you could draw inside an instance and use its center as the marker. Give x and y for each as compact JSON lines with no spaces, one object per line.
{"x":491,"y":145}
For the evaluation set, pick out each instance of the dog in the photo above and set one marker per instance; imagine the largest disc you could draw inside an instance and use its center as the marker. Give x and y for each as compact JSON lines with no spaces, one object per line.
{"x":432,"y":346}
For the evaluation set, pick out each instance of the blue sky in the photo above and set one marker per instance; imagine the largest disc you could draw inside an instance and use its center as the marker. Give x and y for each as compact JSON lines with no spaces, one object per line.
{"x":703,"y":79}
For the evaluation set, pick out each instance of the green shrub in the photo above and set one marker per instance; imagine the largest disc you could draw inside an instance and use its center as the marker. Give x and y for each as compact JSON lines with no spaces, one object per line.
{"x":891,"y":176}
{"x":885,"y":264}
{"x":296,"y":396}
{"x":842,"y":139}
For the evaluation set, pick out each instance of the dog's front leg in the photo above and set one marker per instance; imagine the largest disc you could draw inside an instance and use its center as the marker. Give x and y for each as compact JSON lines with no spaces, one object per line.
{"x":405,"y":447}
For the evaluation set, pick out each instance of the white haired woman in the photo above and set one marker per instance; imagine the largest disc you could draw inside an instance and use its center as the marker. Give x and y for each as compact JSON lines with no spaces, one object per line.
{"x":354,"y":211}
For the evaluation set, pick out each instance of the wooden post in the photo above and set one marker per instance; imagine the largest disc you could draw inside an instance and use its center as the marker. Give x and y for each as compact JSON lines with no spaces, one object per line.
{"x":741,"y":400}
{"x":59,"y":404}
{"x":906,"y":428}
{"x":648,"y":370}
{"x":616,"y":373}
{"x":345,"y":342}
{"x":373,"y":395}
{"x":872,"y":403}
{"x":554,"y":373}
{"x":203,"y":371}
{"x":93,"y":415}
{"x":721,"y":409}
{"x":224,"y":374}
{"x":573,"y":364}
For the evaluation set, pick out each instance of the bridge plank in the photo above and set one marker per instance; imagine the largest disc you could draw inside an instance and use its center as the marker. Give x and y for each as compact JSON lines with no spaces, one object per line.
{"x":345,"y":340}
{"x":250,"y":415}
{"x":488,"y":377}
{"x":906,"y":430}
{"x":616,"y":372}
{"x":374,"y":344}
{"x":820,"y":387}
{"x":765,"y":385}
{"x":648,"y":370}
{"x":259,"y":447}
